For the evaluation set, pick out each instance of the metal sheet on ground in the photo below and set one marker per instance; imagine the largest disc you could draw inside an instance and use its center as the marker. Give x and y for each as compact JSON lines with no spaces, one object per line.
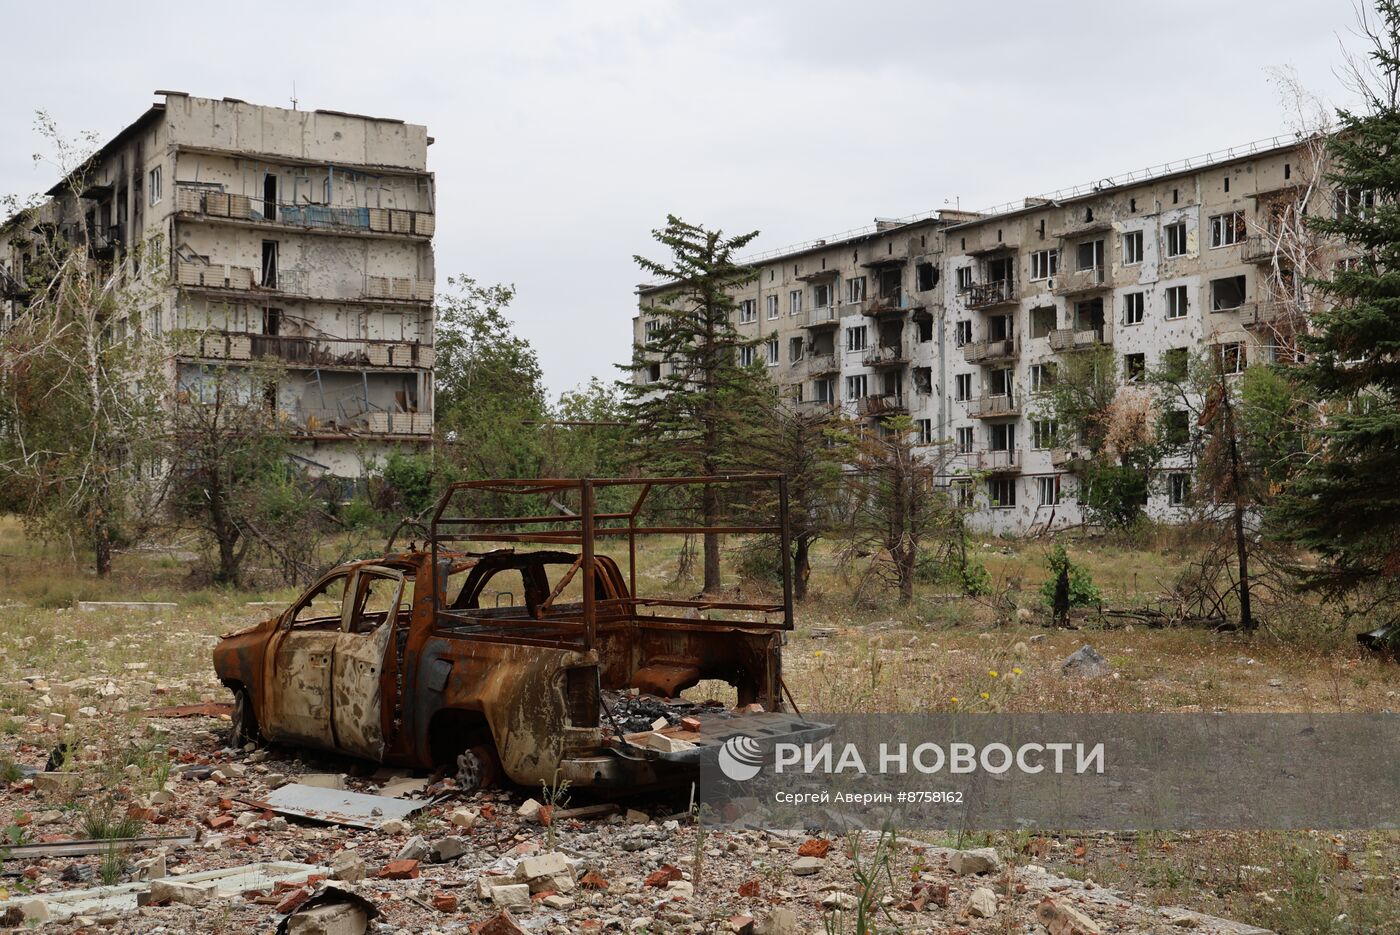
{"x":339,"y":807}
{"x":122,"y":898}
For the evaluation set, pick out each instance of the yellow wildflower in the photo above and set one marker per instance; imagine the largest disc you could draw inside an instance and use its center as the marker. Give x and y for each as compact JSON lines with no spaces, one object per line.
{"x":992,"y":673}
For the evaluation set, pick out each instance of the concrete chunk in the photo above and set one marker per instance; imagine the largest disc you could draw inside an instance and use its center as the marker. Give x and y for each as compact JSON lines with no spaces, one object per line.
{"x":187,"y":894}
{"x":335,"y":919}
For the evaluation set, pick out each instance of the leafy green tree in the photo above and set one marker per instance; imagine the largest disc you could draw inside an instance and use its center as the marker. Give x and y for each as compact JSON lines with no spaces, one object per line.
{"x":898,"y":508}
{"x":798,"y":443}
{"x":1114,"y":425}
{"x":1344,"y":504}
{"x":490,"y":396}
{"x":700,"y":416}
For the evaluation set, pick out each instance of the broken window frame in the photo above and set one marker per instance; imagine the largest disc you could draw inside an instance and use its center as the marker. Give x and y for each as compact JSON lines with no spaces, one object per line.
{"x":1134,"y":308}
{"x":1044,"y":264}
{"x":1175,"y":240}
{"x":1227,"y":229}
{"x":748,"y":311}
{"x":1178,"y":300}
{"x":1132,"y":248}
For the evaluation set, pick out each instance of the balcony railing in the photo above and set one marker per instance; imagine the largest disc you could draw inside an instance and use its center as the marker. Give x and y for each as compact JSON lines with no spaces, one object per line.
{"x":1068,"y":282}
{"x":190,"y":199}
{"x":297,"y":282}
{"x":825,"y":316}
{"x":981,"y":352}
{"x":995,"y":406}
{"x":352,"y":353}
{"x":886,"y":355}
{"x":990,"y":294}
{"x":334,"y":422}
{"x":1070,"y":339}
{"x":1004,"y":461}
{"x":818,"y":364}
{"x":1264,"y":314}
{"x":882,"y":405}
{"x":1260,"y":248}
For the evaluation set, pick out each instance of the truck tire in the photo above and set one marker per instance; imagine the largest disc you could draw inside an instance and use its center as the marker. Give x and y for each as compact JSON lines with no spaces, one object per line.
{"x":245,"y":723}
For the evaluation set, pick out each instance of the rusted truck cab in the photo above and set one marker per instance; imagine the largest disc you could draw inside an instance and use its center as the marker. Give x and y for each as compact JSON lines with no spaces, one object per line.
{"x":518,"y":662}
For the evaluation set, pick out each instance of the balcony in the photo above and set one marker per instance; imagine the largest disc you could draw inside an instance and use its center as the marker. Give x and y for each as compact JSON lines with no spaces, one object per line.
{"x":990,"y":294}
{"x":1003,"y":461}
{"x":323,"y":422}
{"x":985,"y":352}
{"x":196,"y":201}
{"x":888,"y":404}
{"x":11,"y":287}
{"x":1071,"y":339}
{"x":316,"y":352}
{"x":825,"y":316}
{"x":1072,"y":282}
{"x":1068,"y":458}
{"x":893,"y":302}
{"x":296,"y":283}
{"x":820,"y":365}
{"x":1267,"y":314}
{"x":1261,"y":249}
{"x":1000,"y":406}
{"x":886,"y":355}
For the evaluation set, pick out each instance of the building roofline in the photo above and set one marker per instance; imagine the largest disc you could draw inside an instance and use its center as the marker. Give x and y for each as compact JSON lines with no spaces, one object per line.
{"x":137,"y":126}
{"x":858,"y":235}
{"x":1170,"y":170}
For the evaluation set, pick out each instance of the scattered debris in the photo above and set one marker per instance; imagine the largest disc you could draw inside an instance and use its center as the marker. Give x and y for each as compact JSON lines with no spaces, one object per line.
{"x":206,"y":709}
{"x":978,"y":860}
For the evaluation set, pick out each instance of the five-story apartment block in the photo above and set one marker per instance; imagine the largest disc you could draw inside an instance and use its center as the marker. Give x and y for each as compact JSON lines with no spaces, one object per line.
{"x":303,"y":237}
{"x":960,"y":320}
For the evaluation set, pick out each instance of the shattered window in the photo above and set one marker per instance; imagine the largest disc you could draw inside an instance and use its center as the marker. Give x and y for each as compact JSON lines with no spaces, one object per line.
{"x":322,"y":604}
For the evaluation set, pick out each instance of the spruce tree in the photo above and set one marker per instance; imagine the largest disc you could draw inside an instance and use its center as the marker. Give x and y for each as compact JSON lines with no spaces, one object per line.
{"x":699,"y":417}
{"x":1345,"y":503}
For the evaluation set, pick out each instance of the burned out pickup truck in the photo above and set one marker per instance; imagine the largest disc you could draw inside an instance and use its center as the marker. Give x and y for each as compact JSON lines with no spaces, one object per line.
{"x":507,"y":647}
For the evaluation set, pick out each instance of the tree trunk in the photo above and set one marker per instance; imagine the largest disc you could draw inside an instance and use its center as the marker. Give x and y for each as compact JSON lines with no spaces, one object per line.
{"x":102,"y":548}
{"x":710,"y":508}
{"x":801,"y":567}
{"x":1241,"y":542}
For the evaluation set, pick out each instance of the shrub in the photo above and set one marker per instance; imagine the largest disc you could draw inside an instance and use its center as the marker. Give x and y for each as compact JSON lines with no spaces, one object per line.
{"x":1082,"y":590}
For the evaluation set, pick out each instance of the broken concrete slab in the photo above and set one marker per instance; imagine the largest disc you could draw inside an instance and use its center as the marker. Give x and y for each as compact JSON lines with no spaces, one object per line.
{"x":85,"y":848}
{"x":178,"y":891}
{"x":155,"y":606}
{"x":122,"y":897}
{"x":336,"y":806}
{"x":331,"y":910}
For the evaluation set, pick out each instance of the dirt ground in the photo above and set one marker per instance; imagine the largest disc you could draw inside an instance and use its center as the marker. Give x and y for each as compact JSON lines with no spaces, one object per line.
{"x":77,"y":682}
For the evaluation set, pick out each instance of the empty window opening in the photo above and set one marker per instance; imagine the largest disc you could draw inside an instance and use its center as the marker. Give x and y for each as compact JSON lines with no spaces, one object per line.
{"x":1042,"y":321}
{"x":269,"y":264}
{"x":1227,"y":293}
{"x":927,"y":276}
{"x":272,"y":321}
{"x":1134,"y":308}
{"x":270,"y":196}
{"x":1134,"y":367}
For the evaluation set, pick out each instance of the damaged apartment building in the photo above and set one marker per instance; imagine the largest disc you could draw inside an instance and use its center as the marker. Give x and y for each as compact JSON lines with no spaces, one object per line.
{"x":300,"y":237}
{"x":959,"y":320}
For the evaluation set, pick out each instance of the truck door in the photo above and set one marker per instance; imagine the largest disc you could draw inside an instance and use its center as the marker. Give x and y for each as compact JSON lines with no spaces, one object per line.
{"x":362,"y":665}
{"x":298,"y":703}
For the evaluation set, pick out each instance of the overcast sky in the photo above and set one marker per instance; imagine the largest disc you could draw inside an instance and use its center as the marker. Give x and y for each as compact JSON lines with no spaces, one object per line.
{"x":566,"y":131}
